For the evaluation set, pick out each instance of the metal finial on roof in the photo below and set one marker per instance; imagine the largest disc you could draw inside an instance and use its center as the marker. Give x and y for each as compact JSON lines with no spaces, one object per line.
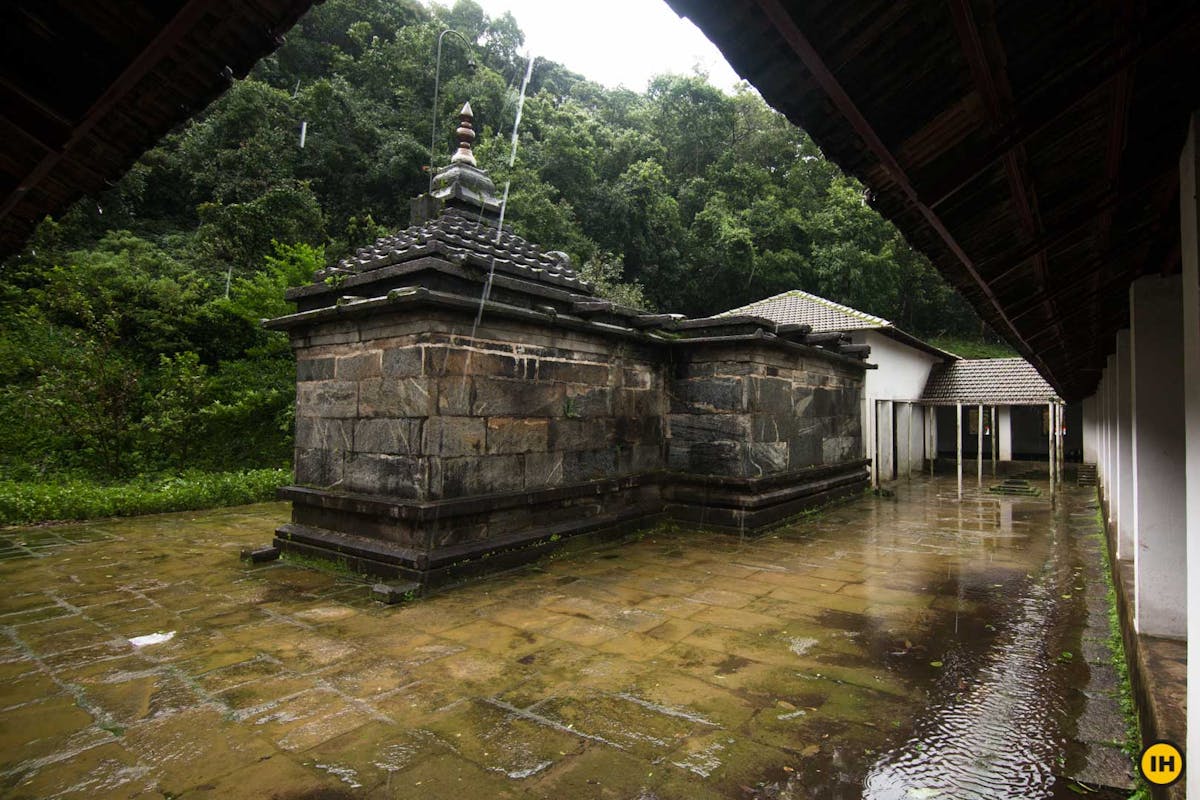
{"x":466,"y":135}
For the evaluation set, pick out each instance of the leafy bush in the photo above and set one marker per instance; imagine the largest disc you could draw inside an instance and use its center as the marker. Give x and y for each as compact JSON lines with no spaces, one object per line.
{"x":23,"y":502}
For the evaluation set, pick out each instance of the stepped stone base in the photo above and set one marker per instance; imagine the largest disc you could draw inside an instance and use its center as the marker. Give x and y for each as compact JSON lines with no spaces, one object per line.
{"x":436,"y":544}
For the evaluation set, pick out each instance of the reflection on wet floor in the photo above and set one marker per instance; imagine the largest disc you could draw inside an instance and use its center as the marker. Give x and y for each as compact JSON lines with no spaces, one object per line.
{"x":890,"y":648}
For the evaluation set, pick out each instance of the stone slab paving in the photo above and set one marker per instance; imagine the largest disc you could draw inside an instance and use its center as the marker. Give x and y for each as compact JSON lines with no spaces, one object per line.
{"x":883,"y":648}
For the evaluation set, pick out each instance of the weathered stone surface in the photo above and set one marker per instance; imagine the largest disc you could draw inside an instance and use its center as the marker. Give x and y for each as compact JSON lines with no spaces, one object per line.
{"x":318,"y":467}
{"x":709,"y":427}
{"x":403,"y":362}
{"x":327,"y":399}
{"x":573,"y":372}
{"x":509,"y":398}
{"x":637,"y":430}
{"x":773,"y":427}
{"x":449,"y":361}
{"x":516,"y":435}
{"x":639,"y":458}
{"x":395,"y":436}
{"x":397,"y":397}
{"x":543,"y":470}
{"x":835,"y":449}
{"x":573,"y":434}
{"x":358,"y":366}
{"x":581,"y":401}
{"x":804,"y":451}
{"x":716,"y":458}
{"x":586,"y":465}
{"x":706,"y":395}
{"x":767,"y":458}
{"x":478,"y":475}
{"x":639,"y":378}
{"x":769,"y":394}
{"x":453,"y":436}
{"x":320,"y":433}
{"x":387,"y":475}
{"x":454,"y":396}
{"x":314,"y":369}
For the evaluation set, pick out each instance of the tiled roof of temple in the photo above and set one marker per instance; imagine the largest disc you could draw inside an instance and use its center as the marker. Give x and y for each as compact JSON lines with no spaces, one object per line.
{"x":824,"y":317}
{"x":990,"y":381}
{"x":457,"y":233}
{"x":463,"y":225}
{"x":803,"y":308}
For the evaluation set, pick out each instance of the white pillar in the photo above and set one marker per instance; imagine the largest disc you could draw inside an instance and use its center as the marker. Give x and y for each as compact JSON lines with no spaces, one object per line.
{"x":1050,"y":459}
{"x":994,"y":431}
{"x":1101,"y":430}
{"x":1005,"y":431}
{"x":884,"y":440}
{"x":958,"y":442}
{"x":1113,"y":491}
{"x":931,"y":436}
{"x":1089,"y":430}
{"x":1189,"y":223}
{"x":1124,"y":449}
{"x":1159,"y":486}
{"x":908,"y":437}
{"x":868,"y":421}
{"x":903,"y":429}
{"x":979,"y":444}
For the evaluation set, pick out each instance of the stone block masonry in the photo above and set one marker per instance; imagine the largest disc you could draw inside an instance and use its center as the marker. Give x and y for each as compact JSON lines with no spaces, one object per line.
{"x":439,"y":435}
{"x":424,"y":452}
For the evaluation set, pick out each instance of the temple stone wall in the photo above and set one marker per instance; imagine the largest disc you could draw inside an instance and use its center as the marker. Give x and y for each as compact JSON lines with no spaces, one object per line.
{"x":754,"y":412}
{"x":420,"y":447}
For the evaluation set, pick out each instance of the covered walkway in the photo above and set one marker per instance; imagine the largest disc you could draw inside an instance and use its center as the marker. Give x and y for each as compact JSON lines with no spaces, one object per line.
{"x":892,"y":645}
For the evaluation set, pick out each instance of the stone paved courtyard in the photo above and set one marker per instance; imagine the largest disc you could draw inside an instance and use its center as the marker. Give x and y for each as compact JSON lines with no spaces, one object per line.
{"x":906,"y":647}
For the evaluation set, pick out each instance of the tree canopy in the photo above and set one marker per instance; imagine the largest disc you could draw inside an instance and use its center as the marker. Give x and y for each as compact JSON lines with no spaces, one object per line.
{"x":130,"y":325}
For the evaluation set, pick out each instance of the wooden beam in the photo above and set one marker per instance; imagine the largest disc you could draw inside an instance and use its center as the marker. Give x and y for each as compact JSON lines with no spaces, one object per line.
{"x":1056,"y":101}
{"x":992,"y":85}
{"x":783,"y":23}
{"x":179,"y":26}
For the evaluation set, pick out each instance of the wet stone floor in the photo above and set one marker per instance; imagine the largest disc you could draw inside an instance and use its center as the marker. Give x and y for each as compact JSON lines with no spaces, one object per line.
{"x":915,"y":646}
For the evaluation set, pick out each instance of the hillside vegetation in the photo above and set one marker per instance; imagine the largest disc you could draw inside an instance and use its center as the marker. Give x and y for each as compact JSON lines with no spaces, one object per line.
{"x":130,"y":341}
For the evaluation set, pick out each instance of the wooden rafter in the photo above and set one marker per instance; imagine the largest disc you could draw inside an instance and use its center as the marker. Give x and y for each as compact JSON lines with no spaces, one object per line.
{"x":781,"y":20}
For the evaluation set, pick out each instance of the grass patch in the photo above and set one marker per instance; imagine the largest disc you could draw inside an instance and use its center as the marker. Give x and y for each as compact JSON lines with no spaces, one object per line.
{"x":1133,"y":735}
{"x":27,"y":502}
{"x":971,"y":348}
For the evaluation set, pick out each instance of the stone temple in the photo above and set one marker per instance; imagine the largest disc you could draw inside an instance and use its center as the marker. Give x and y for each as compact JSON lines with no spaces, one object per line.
{"x":465,"y":403}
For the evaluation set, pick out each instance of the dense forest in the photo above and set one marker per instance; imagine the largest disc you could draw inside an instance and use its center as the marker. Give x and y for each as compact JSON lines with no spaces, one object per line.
{"x":129,"y":328}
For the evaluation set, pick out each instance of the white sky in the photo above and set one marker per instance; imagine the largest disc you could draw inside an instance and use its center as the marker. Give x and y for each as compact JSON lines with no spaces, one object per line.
{"x":615,"y":42}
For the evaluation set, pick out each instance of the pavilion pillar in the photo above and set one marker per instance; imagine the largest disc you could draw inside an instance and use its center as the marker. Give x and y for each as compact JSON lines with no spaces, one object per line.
{"x":958,"y":442}
{"x":903,"y":431}
{"x":885,"y":438}
{"x":1050,"y":442}
{"x":1089,"y":430}
{"x":1110,"y":485}
{"x":1124,"y":448}
{"x":908,"y":463}
{"x":931,"y":436}
{"x":1189,"y":223}
{"x":994,"y":430}
{"x":1005,"y":431}
{"x":1159,"y":486}
{"x":979,"y":444}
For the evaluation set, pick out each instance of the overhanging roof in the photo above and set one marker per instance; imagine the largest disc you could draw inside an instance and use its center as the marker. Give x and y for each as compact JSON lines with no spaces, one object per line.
{"x":1030,"y":149}
{"x":90,"y":86}
{"x":821,"y":315}
{"x":986,"y":381}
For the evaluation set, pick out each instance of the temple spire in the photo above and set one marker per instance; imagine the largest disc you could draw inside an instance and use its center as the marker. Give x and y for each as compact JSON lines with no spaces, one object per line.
{"x":461,"y":184}
{"x":466,"y":135}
